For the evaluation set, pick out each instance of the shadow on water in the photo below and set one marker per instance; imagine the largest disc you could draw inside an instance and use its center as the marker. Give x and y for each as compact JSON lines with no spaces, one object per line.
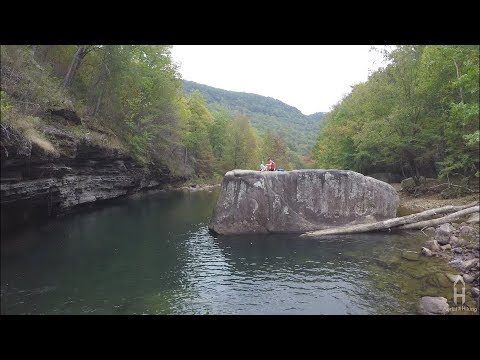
{"x":155,"y":255}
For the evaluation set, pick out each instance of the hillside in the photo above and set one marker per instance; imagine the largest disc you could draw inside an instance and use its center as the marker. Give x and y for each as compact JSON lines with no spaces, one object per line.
{"x":298,"y":130}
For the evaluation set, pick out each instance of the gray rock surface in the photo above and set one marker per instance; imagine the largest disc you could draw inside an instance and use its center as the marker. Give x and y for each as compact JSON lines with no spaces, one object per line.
{"x":430,"y":231}
{"x":457,"y":242}
{"x":470,"y":264}
{"x":467,"y":232}
{"x":299,"y":201}
{"x":475,"y":292}
{"x":468,"y":278}
{"x":433,"y":305}
{"x":453,"y":277}
{"x":443,"y":233}
{"x":432,"y":245}
{"x":36,"y":185}
{"x":426,"y":252}
{"x":474,"y":218}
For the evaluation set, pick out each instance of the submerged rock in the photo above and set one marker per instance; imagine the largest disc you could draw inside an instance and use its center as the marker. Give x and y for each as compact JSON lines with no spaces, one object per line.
{"x":426,"y":252}
{"x":299,"y":201}
{"x":434,"y":305}
{"x":412,"y":256}
{"x":453,"y":278}
{"x":437,"y":280}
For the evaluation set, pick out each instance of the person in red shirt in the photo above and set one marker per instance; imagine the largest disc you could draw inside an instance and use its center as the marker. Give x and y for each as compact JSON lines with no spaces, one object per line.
{"x":271,"y":165}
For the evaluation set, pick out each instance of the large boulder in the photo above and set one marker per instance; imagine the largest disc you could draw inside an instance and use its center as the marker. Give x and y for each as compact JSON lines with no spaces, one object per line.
{"x":299,"y":201}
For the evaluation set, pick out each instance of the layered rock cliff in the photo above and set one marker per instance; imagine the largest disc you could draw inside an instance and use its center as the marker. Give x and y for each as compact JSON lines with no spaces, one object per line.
{"x":299,"y":201}
{"x":37,"y":184}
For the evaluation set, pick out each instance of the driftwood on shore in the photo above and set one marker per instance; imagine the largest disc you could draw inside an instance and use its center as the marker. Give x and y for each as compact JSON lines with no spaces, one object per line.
{"x":442,"y":220}
{"x":414,"y":221}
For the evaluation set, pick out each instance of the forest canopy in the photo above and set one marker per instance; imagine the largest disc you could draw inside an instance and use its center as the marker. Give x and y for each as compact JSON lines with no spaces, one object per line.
{"x":416,"y":116}
{"x":133,"y":93}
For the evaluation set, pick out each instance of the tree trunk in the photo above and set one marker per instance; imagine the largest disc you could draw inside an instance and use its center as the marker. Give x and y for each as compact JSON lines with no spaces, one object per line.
{"x":79,"y":54}
{"x":458,"y":77}
{"x":34,"y":51}
{"x":442,"y":220}
{"x":99,"y":100}
{"x":390,"y":223}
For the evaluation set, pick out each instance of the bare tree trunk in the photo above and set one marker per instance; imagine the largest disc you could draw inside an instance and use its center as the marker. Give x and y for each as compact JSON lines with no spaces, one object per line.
{"x":34,"y":50}
{"x":442,"y":220}
{"x":390,"y":223}
{"x":81,"y":52}
{"x":99,"y":101}
{"x":458,"y":77}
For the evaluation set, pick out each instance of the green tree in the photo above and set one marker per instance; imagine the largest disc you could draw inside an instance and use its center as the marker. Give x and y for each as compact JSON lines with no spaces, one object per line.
{"x":197,"y":135}
{"x":241,"y":149}
{"x":274,"y":147}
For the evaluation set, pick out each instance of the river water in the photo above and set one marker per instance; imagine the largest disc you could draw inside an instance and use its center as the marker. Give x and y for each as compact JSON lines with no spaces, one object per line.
{"x":154,"y":255}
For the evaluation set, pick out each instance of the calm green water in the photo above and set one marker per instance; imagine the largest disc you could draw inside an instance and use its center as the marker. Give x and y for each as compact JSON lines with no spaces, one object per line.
{"x":154,"y":255}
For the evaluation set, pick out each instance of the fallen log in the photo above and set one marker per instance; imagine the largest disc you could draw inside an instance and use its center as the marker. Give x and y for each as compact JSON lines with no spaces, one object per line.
{"x":442,"y":220}
{"x":390,"y":223}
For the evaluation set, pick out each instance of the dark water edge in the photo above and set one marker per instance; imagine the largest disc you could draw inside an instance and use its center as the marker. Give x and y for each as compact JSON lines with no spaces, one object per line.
{"x":154,"y":255}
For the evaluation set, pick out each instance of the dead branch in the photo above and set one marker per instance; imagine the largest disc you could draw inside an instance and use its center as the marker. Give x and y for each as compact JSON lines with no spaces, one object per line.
{"x":391,"y":223}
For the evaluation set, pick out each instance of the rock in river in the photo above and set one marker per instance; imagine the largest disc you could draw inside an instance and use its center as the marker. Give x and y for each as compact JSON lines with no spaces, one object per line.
{"x":432,"y":245}
{"x":426,"y":252}
{"x":443,"y":233}
{"x":299,"y":201}
{"x":433,"y":305}
{"x":475,"y":292}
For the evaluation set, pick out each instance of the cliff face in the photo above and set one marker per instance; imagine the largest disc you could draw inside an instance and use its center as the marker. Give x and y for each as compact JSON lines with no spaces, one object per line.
{"x":35,"y":184}
{"x":299,"y":201}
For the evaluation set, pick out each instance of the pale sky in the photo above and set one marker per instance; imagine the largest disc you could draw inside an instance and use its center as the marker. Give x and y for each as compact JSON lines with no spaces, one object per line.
{"x":312,"y":78}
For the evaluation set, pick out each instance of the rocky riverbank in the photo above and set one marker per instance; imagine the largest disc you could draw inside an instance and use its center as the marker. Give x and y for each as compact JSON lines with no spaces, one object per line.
{"x":196,"y":187}
{"x":456,"y":243}
{"x":412,"y":204}
{"x":62,"y":172}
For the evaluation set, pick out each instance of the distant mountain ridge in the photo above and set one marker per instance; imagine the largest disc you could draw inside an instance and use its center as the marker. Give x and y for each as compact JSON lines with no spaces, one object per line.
{"x":266,"y":113}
